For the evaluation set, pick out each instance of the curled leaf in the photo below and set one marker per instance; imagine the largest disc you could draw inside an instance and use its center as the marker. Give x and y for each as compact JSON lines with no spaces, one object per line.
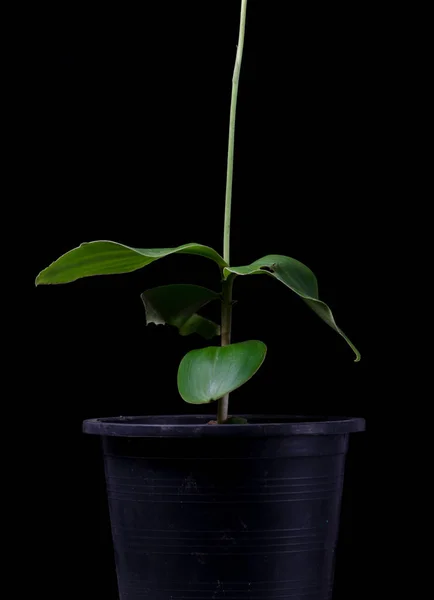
{"x":200,"y":325}
{"x":300,"y":279}
{"x":177,"y":305}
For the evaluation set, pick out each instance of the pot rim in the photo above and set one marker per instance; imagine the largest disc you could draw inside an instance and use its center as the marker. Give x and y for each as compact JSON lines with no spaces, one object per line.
{"x":196,"y":426}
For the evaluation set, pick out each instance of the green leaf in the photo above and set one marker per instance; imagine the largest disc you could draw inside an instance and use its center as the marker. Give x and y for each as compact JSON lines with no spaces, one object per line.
{"x":235,"y":421}
{"x":204,"y":327}
{"x":177,"y":304}
{"x":110,"y":258}
{"x":299,"y":279}
{"x":208,"y":374}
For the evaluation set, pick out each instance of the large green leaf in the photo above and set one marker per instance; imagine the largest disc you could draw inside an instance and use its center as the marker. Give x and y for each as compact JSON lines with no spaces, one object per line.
{"x":299,"y":279}
{"x":177,"y":305}
{"x":109,"y":258}
{"x":208,"y":374}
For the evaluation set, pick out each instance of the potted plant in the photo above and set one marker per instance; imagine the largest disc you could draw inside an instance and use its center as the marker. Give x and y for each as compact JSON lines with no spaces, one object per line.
{"x":243,"y":507}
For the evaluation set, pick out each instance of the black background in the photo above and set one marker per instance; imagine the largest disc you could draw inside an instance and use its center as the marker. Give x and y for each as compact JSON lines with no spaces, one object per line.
{"x":128,"y":130}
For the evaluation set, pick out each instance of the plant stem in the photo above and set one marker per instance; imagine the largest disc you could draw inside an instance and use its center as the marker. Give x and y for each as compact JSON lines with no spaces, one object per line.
{"x":223,"y":403}
{"x":231,"y":146}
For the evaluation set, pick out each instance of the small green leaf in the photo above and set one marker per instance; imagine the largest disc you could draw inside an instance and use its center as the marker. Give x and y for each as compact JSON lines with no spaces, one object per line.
{"x":204,"y":327}
{"x":177,"y":304}
{"x":208,"y":374}
{"x":299,"y":279}
{"x":235,"y":421}
{"x":110,"y":258}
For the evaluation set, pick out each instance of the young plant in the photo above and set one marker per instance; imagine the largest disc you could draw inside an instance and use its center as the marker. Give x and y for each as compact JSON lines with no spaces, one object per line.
{"x":208,"y":374}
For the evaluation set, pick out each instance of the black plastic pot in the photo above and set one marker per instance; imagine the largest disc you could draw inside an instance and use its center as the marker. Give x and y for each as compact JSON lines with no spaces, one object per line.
{"x":233,"y":512}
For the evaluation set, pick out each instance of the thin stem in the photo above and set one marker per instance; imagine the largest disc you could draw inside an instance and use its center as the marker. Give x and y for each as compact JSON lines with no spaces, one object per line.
{"x":231,"y":146}
{"x":223,"y":403}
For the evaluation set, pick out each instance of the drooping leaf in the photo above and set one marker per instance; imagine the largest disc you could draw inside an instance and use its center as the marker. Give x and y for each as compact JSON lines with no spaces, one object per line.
{"x":208,"y":374}
{"x":299,"y":279}
{"x":177,"y":304}
{"x":110,"y":258}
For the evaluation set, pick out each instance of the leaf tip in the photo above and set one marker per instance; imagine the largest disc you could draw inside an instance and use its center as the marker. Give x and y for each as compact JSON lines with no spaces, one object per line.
{"x":39,"y":280}
{"x":263,"y":346}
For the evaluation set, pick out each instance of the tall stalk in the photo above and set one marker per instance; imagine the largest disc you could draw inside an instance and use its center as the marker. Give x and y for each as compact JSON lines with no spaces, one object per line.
{"x":226,"y":325}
